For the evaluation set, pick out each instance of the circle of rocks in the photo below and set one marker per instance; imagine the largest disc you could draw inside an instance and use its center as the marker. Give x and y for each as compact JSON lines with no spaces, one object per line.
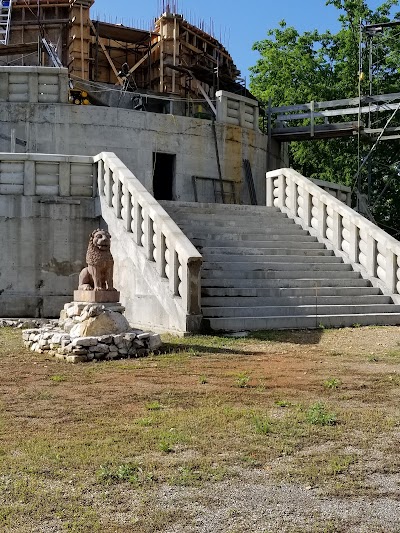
{"x":52,"y":341}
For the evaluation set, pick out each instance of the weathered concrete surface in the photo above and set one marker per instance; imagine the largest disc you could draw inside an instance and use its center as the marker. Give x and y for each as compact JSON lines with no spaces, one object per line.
{"x":146,"y":296}
{"x":43,"y":247}
{"x":134,"y":136}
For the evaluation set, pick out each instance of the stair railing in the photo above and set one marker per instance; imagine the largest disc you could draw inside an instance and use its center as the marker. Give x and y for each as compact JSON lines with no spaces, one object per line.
{"x":361,"y":243}
{"x":152,"y":229}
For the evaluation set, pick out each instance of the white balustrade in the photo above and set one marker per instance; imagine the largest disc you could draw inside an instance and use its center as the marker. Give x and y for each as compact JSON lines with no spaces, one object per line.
{"x":152,"y":229}
{"x":369,"y":249}
{"x":47,"y":175}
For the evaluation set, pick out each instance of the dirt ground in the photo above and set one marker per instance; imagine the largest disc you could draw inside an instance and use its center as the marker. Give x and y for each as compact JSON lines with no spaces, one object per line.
{"x":277,"y":432}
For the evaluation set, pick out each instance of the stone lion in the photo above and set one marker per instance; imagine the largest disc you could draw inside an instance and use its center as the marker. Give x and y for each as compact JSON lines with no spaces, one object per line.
{"x":98,"y":275}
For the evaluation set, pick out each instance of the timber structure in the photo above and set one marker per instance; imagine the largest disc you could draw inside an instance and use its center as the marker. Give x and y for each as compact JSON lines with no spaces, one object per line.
{"x":336,"y":118}
{"x":175,"y":57}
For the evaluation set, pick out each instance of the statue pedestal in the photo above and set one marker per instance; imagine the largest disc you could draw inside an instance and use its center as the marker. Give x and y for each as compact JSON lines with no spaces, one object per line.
{"x":92,"y":297}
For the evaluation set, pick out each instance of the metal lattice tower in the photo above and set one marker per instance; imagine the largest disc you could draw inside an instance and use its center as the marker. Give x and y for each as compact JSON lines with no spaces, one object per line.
{"x":5,"y":20}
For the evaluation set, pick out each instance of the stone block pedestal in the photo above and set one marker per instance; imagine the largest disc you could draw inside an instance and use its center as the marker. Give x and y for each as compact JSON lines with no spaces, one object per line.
{"x":96,"y":296}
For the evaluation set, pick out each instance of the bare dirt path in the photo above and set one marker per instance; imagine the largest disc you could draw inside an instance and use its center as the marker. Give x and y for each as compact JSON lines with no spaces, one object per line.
{"x":281,"y":431}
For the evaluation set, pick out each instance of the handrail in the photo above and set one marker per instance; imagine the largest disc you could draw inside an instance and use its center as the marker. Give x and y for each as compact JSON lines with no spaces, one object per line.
{"x":152,"y":229}
{"x":368,"y":248}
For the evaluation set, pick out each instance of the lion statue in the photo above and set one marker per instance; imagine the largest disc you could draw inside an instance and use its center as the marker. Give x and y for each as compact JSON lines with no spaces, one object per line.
{"x":98,"y":275}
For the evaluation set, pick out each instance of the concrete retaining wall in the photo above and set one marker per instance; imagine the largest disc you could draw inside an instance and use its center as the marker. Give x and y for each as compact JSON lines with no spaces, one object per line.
{"x":44,"y":236}
{"x":134,"y":136}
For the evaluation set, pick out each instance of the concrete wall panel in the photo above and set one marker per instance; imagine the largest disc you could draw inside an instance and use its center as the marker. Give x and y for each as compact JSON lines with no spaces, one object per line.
{"x":43,"y":250}
{"x":134,"y":136}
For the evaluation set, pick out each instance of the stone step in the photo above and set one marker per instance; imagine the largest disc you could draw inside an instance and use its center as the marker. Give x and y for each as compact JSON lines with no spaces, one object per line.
{"x":294,"y":310}
{"x":273,"y":241}
{"x":354,"y":281}
{"x":261,"y":259}
{"x":264,"y":274}
{"x":211,"y":208}
{"x":300,"y":322}
{"x":235,"y":225}
{"x":288,"y":292}
{"x":266,"y":234}
{"x":228,"y":251}
{"x":222,"y":218}
{"x":253,"y":266}
{"x":312,"y":300}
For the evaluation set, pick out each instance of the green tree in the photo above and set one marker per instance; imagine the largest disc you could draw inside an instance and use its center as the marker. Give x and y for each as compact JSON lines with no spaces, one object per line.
{"x":297,"y":68}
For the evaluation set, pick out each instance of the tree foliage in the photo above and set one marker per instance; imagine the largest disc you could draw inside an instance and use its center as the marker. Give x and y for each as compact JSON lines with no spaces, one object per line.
{"x":296,"y":68}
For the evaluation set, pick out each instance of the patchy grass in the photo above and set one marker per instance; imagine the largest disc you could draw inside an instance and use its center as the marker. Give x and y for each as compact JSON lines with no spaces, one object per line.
{"x":91,"y":453}
{"x":332,"y":383}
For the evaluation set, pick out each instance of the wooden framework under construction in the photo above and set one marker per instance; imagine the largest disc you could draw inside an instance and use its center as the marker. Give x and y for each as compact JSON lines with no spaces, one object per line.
{"x":176,"y":58}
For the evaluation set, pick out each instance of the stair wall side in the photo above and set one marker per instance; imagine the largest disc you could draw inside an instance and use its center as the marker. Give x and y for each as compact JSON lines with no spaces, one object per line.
{"x":368,"y":249}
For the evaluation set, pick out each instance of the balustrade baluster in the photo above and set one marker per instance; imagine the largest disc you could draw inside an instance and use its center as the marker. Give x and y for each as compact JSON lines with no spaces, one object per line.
{"x":322,"y":218}
{"x":337,"y":230}
{"x":354,"y":247}
{"x":391,"y":271}
{"x":372,"y":253}
{"x":173,"y":272}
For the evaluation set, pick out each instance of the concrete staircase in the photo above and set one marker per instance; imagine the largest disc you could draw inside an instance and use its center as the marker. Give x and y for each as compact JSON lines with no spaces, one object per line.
{"x":261,"y":270}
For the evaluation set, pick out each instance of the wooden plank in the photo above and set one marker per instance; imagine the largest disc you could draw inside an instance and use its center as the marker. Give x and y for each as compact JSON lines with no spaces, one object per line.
{"x":207,"y":98}
{"x":120,"y":81}
{"x":337,"y":103}
{"x":322,"y":131}
{"x":338,"y":112}
{"x":149,"y":53}
{"x":82,"y":45}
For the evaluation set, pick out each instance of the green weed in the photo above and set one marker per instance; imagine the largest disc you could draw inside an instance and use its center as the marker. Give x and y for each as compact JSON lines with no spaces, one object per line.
{"x":318,"y":415}
{"x":242,"y":380}
{"x":332,"y":383}
{"x":127,"y":472}
{"x":58,"y":378}
{"x":262,"y":425}
{"x":153,"y":406}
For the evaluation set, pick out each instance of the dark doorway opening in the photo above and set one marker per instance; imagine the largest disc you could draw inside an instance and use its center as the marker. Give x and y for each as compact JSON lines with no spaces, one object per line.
{"x":163,"y":175}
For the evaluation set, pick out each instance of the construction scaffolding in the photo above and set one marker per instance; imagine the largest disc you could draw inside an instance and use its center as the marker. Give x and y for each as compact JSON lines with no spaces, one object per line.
{"x":175,"y":58}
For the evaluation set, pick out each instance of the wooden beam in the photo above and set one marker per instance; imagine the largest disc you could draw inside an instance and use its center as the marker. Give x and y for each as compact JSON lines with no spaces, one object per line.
{"x":149,"y":53}
{"x":339,"y":112}
{"x":120,"y":81}
{"x":338,"y":103}
{"x":207,"y":98}
{"x":82,"y":45}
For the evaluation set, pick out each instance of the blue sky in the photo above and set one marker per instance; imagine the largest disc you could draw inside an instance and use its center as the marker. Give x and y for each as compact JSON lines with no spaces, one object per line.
{"x":239,"y":24}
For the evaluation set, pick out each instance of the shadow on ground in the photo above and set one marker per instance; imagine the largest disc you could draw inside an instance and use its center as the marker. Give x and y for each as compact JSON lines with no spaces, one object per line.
{"x":226,"y":344}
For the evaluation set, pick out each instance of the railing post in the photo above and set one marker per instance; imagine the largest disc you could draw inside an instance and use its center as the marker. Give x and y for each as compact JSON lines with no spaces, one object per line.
{"x":137,"y":221}
{"x":293,"y":197}
{"x":337,"y":230}
{"x":307,"y":206}
{"x":148,"y":224}
{"x":173,"y":271}
{"x":160,"y":251}
{"x":391,"y":271}
{"x":281,"y":191}
{"x":312,"y":123}
{"x":372,"y":253}
{"x":118,"y":196}
{"x":354,"y":243}
{"x":270,"y":192}
{"x":322,"y":218}
{"x":128,"y":209}
{"x":108,"y":184}
{"x":100,"y":176}
{"x":29,"y":178}
{"x":193,"y":287}
{"x":64,"y":174}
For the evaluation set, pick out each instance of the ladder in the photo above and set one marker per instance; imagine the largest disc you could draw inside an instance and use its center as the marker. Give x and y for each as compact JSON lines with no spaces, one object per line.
{"x":5,"y":20}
